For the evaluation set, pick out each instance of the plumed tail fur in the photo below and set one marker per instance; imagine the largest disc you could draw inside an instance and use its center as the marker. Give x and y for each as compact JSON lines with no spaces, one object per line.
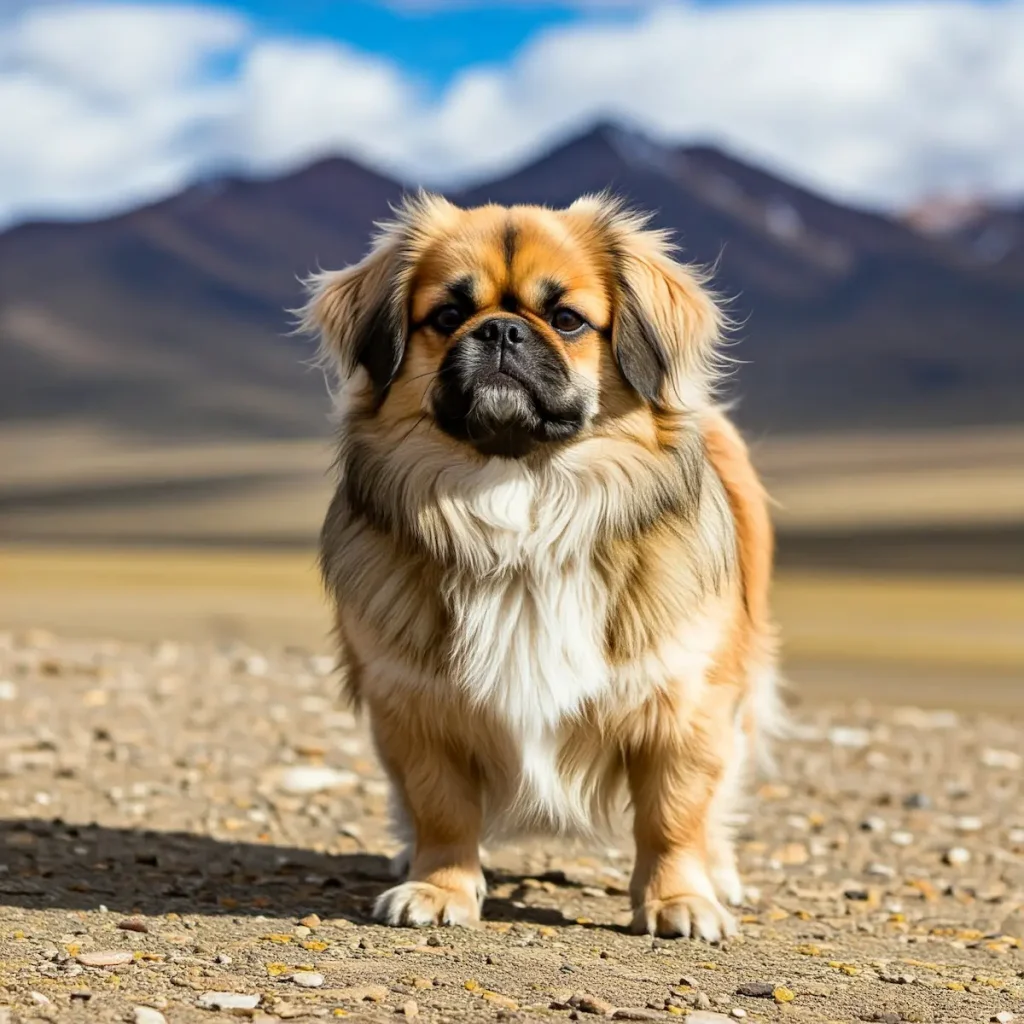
{"x":764,"y":716}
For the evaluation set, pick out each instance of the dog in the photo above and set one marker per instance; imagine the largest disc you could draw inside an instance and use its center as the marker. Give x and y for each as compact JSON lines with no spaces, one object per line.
{"x":548,"y":552}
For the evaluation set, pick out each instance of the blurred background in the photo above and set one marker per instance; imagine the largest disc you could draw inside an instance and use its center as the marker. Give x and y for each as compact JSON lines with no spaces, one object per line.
{"x":855,"y":171}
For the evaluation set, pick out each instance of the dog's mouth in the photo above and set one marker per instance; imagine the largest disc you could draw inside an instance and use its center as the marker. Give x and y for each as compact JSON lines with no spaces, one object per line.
{"x":501,"y":411}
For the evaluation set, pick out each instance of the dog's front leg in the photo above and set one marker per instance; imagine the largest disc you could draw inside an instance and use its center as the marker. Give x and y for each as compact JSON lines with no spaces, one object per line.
{"x":675,"y":775}
{"x":437,"y":789}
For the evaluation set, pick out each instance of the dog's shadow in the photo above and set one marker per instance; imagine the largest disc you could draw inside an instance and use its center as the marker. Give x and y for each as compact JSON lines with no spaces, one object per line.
{"x":52,"y":864}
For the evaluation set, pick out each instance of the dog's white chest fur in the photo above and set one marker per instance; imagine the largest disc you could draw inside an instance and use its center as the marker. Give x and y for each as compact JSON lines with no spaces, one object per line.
{"x":529,"y":632}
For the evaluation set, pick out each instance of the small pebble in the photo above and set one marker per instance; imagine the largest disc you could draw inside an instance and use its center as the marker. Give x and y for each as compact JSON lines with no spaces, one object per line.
{"x":738,"y":1012}
{"x":106,"y":958}
{"x":306,"y":779}
{"x":632,"y":1013}
{"x":308,"y":979}
{"x":310,"y":921}
{"x":968,"y":823}
{"x":503,"y":1002}
{"x":1009,"y":759}
{"x":873,"y":824}
{"x":849,"y":736}
{"x":410,"y":1008}
{"x":709,"y":1017}
{"x":228,"y":1001}
{"x":1003,"y":1017}
{"x":917,"y":801}
{"x":222,"y":958}
{"x":956,"y":856}
{"x":897,"y":979}
{"x":901,"y":838}
{"x":592,"y":1004}
{"x":756,"y":989}
{"x":147,"y":1015}
{"x":133,"y":924}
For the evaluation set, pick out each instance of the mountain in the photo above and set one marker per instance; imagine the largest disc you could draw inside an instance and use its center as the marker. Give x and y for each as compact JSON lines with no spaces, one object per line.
{"x":984,"y":235}
{"x":169,"y":321}
{"x":849,"y":319}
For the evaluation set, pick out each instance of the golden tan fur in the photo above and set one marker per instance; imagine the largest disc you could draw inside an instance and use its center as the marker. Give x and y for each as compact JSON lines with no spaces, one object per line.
{"x":535,"y":636}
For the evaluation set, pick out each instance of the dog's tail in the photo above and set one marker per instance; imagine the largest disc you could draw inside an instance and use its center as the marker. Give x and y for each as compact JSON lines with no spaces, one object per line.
{"x":763,"y":714}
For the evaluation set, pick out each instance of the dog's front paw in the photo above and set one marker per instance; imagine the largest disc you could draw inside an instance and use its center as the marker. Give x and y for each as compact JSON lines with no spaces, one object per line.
{"x":419,"y":904}
{"x":686,"y":916}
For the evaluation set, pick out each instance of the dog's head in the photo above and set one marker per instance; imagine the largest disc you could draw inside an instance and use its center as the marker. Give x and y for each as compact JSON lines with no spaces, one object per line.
{"x":516,"y":328}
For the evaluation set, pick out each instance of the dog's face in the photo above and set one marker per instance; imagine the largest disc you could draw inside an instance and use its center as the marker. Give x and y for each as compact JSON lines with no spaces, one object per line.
{"x":516,"y":328}
{"x":512,"y":313}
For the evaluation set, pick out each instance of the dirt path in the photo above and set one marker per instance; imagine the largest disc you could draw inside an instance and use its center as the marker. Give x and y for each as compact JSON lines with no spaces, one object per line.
{"x":185,"y":822}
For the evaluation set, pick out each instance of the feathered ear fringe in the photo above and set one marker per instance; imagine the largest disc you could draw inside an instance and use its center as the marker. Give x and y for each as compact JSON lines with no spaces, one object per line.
{"x":360,"y":313}
{"x":669,"y":324}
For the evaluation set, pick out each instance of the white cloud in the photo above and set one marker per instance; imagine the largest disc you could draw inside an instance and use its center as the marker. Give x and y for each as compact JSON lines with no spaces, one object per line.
{"x":299,"y":100}
{"x":105,"y":105}
{"x":102,"y":106}
{"x":873,"y":102}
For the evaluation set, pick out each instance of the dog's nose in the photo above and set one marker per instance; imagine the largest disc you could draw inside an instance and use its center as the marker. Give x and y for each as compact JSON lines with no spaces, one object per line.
{"x":501,"y":330}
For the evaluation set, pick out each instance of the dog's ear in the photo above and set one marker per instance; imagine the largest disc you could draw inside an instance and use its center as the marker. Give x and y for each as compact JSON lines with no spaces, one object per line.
{"x":667,"y":323}
{"x":361,"y":313}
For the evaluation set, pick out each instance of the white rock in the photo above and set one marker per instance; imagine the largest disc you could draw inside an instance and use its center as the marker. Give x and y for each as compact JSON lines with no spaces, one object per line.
{"x":1016,"y":835}
{"x":308,"y":979}
{"x":849,"y":736}
{"x":8,"y":691}
{"x":1003,"y":1017}
{"x":106,"y":958}
{"x":879,"y":871}
{"x":901,"y":838}
{"x":39,"y":999}
{"x":738,"y":1012}
{"x":228,"y":1001}
{"x":1009,"y":759}
{"x":707,"y":1017}
{"x":968,"y":823}
{"x":147,"y":1015}
{"x":302,"y":779}
{"x":957,"y":855}
{"x":919,"y":718}
{"x":256,"y":665}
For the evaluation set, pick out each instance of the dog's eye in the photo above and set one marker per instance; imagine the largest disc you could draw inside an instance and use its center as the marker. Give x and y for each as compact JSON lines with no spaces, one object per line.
{"x":566,"y":321}
{"x":447,"y":319}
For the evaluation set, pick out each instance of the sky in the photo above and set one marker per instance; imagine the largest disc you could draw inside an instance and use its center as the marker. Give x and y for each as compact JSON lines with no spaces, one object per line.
{"x":104,"y":105}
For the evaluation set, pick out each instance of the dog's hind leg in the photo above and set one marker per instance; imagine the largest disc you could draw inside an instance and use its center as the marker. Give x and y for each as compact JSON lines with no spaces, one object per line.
{"x":676,"y":780}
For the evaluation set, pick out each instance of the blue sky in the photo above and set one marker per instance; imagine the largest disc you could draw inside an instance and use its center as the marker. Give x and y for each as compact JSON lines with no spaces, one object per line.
{"x":108,"y":103}
{"x":433,"y":43}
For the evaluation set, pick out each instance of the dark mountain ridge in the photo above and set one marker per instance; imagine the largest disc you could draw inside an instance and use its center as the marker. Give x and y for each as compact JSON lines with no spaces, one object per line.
{"x":171,"y":320}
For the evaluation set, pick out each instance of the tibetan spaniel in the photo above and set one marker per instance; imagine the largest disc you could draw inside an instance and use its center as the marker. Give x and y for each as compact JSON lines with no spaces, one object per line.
{"x":548,"y":553}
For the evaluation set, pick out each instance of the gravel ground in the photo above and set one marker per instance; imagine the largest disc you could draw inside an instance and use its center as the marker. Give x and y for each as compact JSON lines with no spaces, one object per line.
{"x":184,"y":828}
